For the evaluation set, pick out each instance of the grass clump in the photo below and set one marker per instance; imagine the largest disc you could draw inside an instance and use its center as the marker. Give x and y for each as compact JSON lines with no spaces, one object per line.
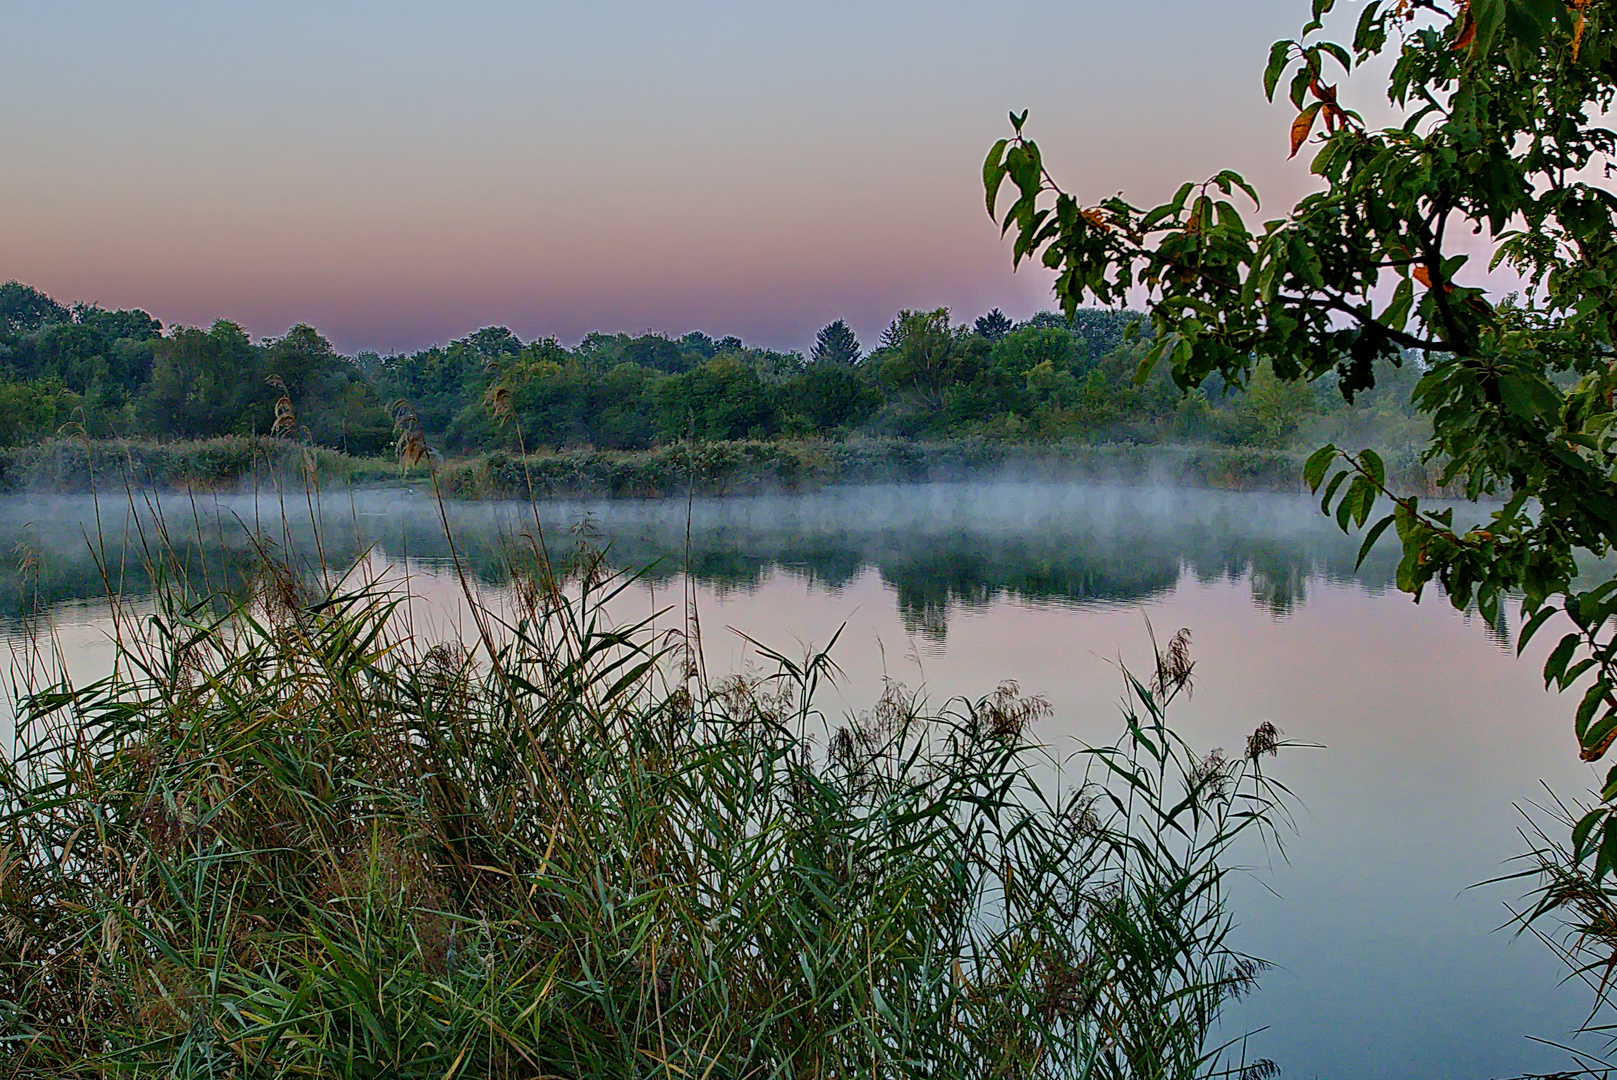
{"x":293,"y":840}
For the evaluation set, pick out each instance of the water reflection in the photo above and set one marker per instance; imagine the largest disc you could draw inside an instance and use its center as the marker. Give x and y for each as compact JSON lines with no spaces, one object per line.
{"x":1387,"y":963}
{"x":939,"y":548}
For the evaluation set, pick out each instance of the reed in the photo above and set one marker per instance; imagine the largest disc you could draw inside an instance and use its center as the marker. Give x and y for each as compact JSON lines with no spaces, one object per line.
{"x":292,"y":838}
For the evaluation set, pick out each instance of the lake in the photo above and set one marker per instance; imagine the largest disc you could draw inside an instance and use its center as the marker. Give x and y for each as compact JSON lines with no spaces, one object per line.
{"x":1387,"y":962}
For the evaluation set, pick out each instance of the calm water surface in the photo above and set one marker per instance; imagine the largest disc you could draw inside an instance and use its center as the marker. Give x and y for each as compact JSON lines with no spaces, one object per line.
{"x":1387,"y":962}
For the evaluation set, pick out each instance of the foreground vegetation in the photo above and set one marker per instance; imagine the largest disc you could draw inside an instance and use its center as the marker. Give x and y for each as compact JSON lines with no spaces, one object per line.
{"x":286,"y":838}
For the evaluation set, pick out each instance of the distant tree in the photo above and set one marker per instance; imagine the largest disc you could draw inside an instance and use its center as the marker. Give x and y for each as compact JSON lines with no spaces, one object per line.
{"x":74,"y":354}
{"x":24,"y":308}
{"x":302,"y":359}
{"x":923,"y":353}
{"x":320,"y":384}
{"x":835,"y":344}
{"x":829,"y":396}
{"x":492,"y":342}
{"x":133,"y":324}
{"x":994,"y":325}
{"x":1048,"y":320}
{"x":205,"y":383}
{"x":893,"y":336}
{"x":722,"y":399}
{"x":30,"y":411}
{"x":698,"y":342}
{"x":1106,"y":329}
{"x":730,"y":343}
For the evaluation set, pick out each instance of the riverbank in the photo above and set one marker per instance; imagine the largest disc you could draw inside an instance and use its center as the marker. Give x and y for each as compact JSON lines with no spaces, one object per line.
{"x":710,"y":468}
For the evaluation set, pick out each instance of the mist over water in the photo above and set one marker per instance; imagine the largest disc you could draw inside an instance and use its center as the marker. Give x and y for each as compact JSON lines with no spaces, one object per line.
{"x":1387,"y":962}
{"x":936,"y":546}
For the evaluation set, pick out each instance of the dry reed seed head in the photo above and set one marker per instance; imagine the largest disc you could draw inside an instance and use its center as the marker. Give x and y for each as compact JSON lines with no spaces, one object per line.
{"x":681,"y":705}
{"x":1262,"y":1069}
{"x":1175,"y":667}
{"x":1243,"y":976}
{"x":279,"y":593}
{"x":746,"y":702}
{"x":497,"y":399}
{"x":1212,"y":774}
{"x":27,"y":558}
{"x":842,"y":749}
{"x":1005,"y":714}
{"x":1067,"y":992}
{"x":1265,"y":740}
{"x":1081,"y":818}
{"x":527,"y":589}
{"x":893,"y":714}
{"x":410,"y":442}
{"x":286,"y":418}
{"x":445,"y":661}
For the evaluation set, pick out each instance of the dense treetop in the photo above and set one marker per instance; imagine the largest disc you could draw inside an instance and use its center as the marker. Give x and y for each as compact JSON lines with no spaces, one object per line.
{"x":71,"y":368}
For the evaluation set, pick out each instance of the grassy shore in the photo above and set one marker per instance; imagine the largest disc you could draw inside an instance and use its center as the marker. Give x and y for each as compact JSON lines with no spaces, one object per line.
{"x":290,"y":839}
{"x":714,"y":468}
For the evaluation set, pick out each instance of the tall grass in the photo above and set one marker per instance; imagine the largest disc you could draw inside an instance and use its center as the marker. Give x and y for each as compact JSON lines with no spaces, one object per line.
{"x":296,"y":840}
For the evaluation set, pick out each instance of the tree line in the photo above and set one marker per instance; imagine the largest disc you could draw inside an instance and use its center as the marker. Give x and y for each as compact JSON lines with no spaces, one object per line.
{"x":106,"y":373}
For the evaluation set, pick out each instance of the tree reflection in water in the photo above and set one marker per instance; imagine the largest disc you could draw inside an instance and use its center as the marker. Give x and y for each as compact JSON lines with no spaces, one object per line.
{"x":939,"y":548}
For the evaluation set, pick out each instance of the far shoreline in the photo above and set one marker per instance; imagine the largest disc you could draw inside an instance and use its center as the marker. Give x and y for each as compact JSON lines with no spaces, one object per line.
{"x":243,"y":464}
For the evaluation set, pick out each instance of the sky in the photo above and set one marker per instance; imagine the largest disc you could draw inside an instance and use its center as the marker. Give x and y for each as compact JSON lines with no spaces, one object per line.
{"x":398,"y":174}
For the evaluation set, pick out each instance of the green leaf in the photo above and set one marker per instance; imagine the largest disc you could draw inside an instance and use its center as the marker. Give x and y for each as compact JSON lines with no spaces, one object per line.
{"x":1348,"y":508}
{"x":1318,"y":462}
{"x":1555,"y":666}
{"x":1338,"y":53}
{"x":1371,"y":461}
{"x":1531,"y":627}
{"x":1585,"y":826}
{"x":1279,"y":54}
{"x":994,"y":173}
{"x":1330,"y":491}
{"x":1490,"y":17}
{"x":1592,"y":700}
{"x":1371,"y":537}
{"x":1396,"y":316}
{"x":1529,"y":396}
{"x":1607,"y":855}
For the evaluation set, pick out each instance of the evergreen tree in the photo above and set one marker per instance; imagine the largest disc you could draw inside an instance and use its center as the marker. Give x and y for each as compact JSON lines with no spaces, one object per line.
{"x":994,"y":325}
{"x":835,"y":344}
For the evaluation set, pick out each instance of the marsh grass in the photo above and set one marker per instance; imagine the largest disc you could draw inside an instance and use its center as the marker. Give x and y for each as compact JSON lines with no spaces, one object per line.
{"x":287,"y":836}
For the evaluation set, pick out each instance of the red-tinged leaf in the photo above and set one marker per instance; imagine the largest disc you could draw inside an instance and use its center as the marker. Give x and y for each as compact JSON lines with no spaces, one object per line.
{"x":1601,"y":736}
{"x":1468,"y":31}
{"x":1301,"y":126}
{"x":1422,"y":275}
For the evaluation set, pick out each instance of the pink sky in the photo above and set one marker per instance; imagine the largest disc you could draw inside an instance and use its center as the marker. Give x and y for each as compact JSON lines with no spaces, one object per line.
{"x":398,"y":174}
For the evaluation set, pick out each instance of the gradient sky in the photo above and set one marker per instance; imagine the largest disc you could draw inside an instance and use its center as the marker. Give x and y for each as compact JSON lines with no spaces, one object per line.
{"x":402,"y":173}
